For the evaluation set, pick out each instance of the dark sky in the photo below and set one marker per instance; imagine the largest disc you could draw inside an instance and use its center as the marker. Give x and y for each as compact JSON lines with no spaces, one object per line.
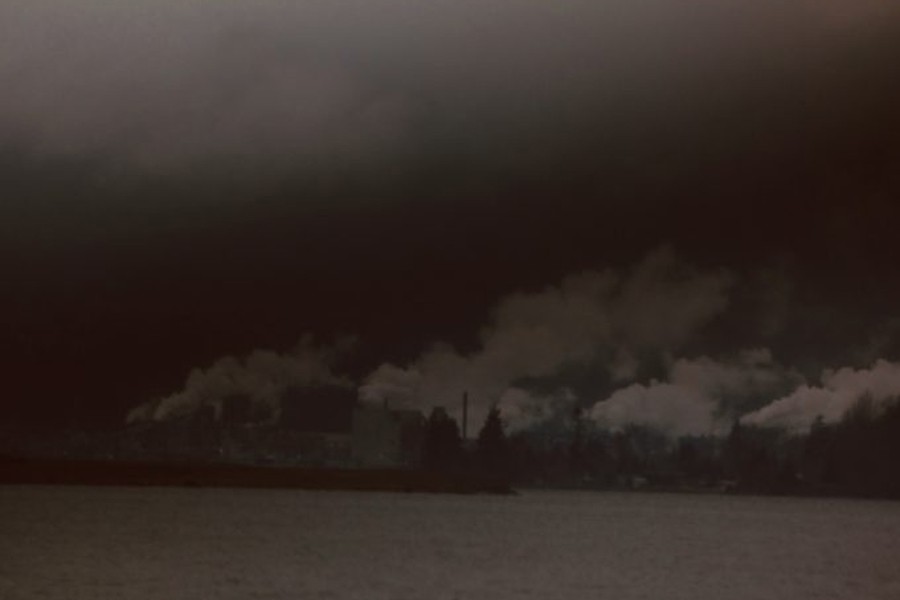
{"x":646,"y":188}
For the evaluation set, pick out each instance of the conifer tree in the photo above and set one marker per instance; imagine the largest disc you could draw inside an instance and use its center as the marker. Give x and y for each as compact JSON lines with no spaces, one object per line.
{"x":492,"y":449}
{"x":443,"y":445}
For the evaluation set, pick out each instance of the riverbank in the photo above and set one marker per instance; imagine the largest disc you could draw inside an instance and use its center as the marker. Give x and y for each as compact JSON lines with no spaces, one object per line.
{"x":134,"y":473}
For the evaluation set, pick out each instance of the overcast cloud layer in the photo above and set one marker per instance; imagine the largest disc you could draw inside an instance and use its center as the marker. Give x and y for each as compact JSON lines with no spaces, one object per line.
{"x":284,"y":85}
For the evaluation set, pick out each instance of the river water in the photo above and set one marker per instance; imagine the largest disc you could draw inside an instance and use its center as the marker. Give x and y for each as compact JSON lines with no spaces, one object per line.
{"x":163,"y":543}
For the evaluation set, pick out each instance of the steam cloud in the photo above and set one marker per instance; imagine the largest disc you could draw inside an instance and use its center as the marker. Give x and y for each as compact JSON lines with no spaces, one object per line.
{"x":695,"y":398}
{"x":263,"y":376}
{"x":839,"y":391}
{"x":611,"y":321}
{"x":589,"y":317}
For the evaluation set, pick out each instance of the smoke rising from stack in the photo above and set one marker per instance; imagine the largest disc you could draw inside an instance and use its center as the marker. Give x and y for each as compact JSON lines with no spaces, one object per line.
{"x":698,"y":397}
{"x":589,"y":318}
{"x":615,"y":322}
{"x":263,"y":376}
{"x":838,"y":391}
{"x":608,"y":322}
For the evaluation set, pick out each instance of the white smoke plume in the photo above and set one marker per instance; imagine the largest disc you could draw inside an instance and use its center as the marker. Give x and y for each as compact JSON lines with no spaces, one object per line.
{"x":589,"y":317}
{"x":262,"y":376}
{"x":839,"y":391}
{"x":689,"y":401}
{"x":522,"y":409}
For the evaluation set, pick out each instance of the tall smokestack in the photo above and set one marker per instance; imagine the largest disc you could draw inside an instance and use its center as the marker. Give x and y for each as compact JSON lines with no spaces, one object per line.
{"x":465,"y":416}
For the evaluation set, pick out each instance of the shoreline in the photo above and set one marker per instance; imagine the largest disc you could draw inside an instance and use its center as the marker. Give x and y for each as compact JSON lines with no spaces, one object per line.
{"x":98,"y":472}
{"x":32,"y":471}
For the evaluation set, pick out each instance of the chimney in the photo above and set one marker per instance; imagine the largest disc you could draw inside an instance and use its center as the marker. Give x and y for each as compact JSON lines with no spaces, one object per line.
{"x":465,"y":415}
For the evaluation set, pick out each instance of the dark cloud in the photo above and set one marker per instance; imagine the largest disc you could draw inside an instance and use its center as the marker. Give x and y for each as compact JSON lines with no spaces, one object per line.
{"x":306,"y":87}
{"x":188,"y":180}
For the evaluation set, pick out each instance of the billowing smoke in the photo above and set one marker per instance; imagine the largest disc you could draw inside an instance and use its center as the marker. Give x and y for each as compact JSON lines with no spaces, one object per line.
{"x":612,"y":322}
{"x":698,"y":395}
{"x":263,"y":377}
{"x":839,"y":390}
{"x":522,"y":409}
{"x":590,"y":318}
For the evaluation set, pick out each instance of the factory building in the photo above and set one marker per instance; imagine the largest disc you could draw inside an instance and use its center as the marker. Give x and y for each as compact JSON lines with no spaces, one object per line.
{"x":387,"y":438}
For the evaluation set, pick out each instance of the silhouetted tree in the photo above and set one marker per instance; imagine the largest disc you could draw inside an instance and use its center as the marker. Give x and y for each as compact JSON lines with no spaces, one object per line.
{"x":735,"y":451}
{"x":818,"y":466}
{"x":851,"y":457}
{"x":626,"y":459}
{"x":443,"y":446}
{"x":686,"y":458}
{"x":577,"y":448}
{"x":865,"y":441}
{"x":492,"y":446}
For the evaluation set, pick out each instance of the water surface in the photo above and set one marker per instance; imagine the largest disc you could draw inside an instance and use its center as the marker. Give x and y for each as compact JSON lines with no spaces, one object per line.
{"x":163,"y":543}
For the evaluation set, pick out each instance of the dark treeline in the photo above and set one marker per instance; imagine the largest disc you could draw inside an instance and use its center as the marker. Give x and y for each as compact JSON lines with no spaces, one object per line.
{"x":855,"y":457}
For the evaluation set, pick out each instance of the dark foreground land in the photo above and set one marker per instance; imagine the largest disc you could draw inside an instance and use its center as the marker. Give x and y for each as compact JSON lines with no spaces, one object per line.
{"x":97,"y":472}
